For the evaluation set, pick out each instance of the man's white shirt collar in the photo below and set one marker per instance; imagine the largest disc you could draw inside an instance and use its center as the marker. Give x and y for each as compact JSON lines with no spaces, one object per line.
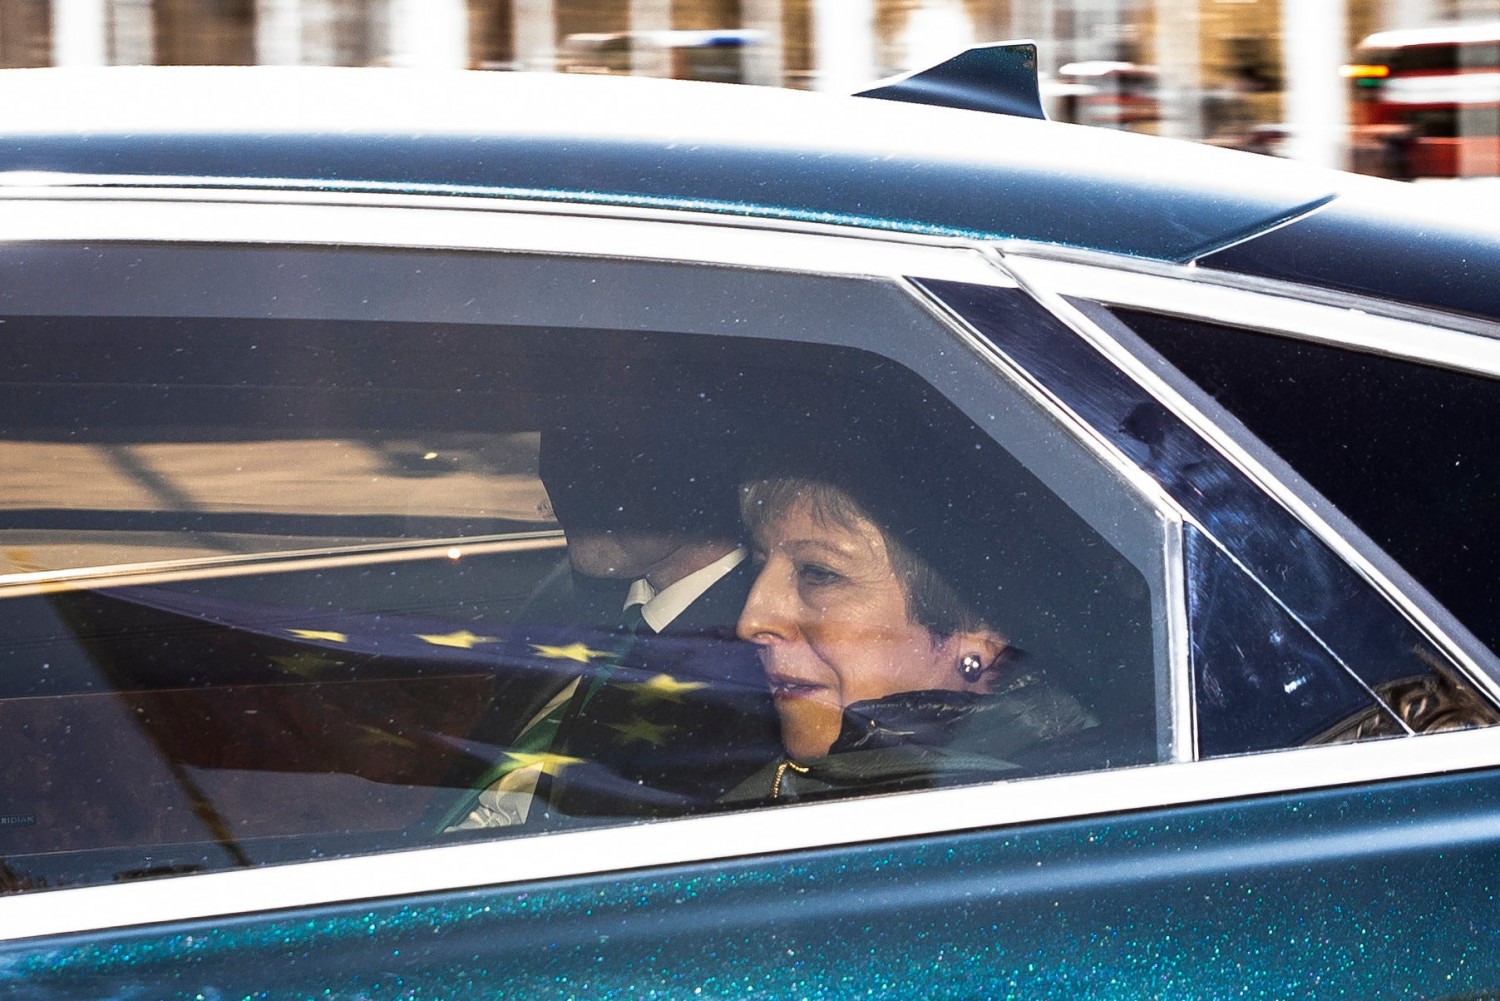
{"x":659,"y":608}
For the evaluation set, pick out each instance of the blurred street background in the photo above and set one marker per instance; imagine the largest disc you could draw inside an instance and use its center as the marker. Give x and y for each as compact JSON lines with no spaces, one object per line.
{"x":1403,"y":88}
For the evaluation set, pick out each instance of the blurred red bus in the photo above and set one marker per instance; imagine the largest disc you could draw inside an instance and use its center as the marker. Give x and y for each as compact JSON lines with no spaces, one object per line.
{"x":1427,"y":102}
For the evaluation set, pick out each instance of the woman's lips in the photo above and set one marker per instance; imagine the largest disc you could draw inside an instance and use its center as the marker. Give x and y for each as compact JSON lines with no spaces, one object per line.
{"x":785,"y":686}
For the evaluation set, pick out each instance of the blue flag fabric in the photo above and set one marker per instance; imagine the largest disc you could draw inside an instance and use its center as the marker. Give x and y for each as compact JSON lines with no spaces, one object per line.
{"x":671,"y":722}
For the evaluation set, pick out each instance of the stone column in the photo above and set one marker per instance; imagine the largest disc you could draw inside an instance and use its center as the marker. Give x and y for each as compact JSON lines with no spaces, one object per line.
{"x":1100,"y":27}
{"x":80,"y":33}
{"x":278,"y":32}
{"x":763,"y":60}
{"x":535,"y":34}
{"x":648,"y":58}
{"x":134,"y":33}
{"x":1317,"y":104}
{"x":429,"y":34}
{"x":932,"y":32}
{"x":843,"y":45}
{"x":1178,"y":61}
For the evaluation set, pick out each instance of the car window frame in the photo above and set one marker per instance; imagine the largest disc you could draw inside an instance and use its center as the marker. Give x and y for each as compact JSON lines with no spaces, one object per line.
{"x":751,"y":834}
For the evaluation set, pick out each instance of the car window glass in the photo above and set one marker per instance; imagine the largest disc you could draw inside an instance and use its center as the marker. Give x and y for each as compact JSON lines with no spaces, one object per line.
{"x":1388,"y":442}
{"x":1392,"y":443}
{"x":287,"y":587}
{"x":229,"y":436}
{"x":1261,"y":680}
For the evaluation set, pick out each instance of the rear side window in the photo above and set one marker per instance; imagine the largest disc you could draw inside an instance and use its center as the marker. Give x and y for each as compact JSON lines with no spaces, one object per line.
{"x":1400,"y":447}
{"x":1289,"y":643}
{"x":318,"y":553}
{"x":1392,"y":444}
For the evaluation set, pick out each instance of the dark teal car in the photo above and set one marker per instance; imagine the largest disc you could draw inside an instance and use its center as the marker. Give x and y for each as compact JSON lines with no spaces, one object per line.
{"x":477,"y":535}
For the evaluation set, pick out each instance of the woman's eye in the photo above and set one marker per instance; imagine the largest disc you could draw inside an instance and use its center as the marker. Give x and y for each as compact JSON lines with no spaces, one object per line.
{"x":811,"y":573}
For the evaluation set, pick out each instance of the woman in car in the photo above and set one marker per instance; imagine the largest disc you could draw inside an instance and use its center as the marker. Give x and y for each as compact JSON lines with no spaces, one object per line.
{"x":883,"y":675}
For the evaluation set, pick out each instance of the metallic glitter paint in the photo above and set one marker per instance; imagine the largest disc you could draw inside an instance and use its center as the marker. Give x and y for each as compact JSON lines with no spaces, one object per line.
{"x":1383,"y":891}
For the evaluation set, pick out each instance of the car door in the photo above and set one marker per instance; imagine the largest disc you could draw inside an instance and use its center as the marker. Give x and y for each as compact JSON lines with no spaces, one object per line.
{"x":284,"y":519}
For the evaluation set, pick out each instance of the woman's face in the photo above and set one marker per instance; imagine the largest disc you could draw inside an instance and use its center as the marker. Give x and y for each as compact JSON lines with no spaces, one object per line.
{"x":831,"y":620}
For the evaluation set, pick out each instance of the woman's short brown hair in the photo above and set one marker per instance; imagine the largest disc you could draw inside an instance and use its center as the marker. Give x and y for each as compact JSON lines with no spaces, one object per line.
{"x":931,"y":602}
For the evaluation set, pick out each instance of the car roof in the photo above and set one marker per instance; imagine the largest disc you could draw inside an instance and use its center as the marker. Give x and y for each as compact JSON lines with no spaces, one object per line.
{"x":738,"y":150}
{"x":1435,"y":246}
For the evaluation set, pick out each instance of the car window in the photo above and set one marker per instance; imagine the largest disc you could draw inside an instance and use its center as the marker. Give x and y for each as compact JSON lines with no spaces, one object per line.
{"x":318,"y":553}
{"x":1290,"y":645}
{"x":1391,"y":442}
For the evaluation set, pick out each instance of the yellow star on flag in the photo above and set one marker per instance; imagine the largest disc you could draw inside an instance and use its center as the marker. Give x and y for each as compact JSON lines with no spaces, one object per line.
{"x":320,"y":634}
{"x":663,"y":686}
{"x":549,"y":763}
{"x":640,"y":731}
{"x":463,"y":639}
{"x":573,"y":651}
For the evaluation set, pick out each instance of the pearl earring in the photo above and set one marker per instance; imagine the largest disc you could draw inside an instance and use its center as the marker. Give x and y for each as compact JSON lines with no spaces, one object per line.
{"x":971,"y":668}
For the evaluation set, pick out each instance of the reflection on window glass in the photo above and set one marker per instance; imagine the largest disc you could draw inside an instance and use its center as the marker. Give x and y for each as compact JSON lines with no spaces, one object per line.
{"x":1392,"y":443}
{"x":1261,"y":680}
{"x":131,"y":440}
{"x":783,"y":571}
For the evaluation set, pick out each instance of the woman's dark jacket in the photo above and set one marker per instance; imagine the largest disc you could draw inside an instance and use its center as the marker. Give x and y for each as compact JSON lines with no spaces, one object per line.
{"x":917,"y":740}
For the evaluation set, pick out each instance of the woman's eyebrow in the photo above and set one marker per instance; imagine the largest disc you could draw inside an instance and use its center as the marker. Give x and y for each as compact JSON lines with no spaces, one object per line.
{"x":819,"y":544}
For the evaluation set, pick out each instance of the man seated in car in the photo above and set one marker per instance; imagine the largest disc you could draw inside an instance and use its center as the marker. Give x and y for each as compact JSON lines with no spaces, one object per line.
{"x":661,"y":709}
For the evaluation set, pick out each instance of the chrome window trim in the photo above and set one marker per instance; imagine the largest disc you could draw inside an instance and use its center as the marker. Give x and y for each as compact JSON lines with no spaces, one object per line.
{"x":426,"y":222}
{"x":1128,"y":269}
{"x":273,"y":561}
{"x":211,"y":190}
{"x":752,"y":834}
{"x":1137,"y":479}
{"x":1180,"y":685}
{"x":1279,"y":308}
{"x":1049,"y":281}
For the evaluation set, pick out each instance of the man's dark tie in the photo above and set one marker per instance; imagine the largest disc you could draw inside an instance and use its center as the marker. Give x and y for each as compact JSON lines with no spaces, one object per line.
{"x":632,"y":624}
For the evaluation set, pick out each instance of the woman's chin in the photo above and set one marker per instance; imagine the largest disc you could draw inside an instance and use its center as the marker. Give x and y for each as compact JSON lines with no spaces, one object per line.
{"x":809,"y":725}
{"x":806,"y":751}
{"x":802,"y":745}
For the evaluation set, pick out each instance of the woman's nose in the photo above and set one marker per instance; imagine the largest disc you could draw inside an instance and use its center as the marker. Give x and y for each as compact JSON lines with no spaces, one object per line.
{"x":765,"y":619}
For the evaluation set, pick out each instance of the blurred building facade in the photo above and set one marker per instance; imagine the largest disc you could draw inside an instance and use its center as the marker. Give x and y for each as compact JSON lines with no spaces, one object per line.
{"x":1250,"y":72}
